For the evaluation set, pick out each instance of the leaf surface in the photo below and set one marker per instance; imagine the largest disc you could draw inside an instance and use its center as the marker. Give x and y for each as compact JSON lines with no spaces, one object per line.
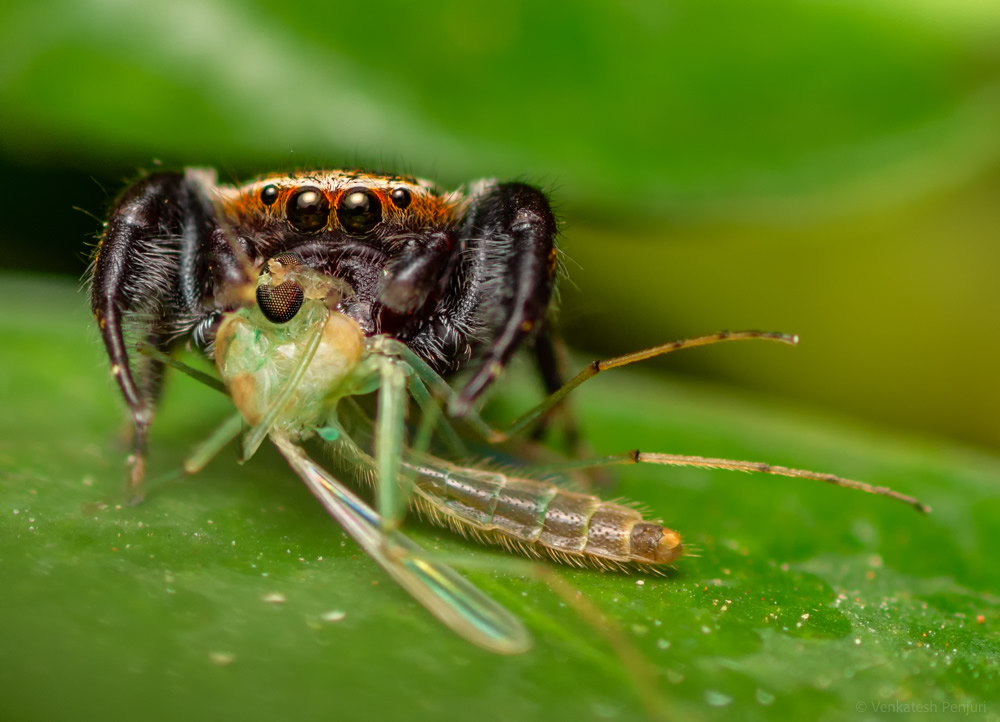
{"x":221,"y":594}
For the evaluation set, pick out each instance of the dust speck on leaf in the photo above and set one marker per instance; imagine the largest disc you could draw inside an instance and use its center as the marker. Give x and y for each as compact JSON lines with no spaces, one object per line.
{"x":717,"y":699}
{"x":763,"y":697}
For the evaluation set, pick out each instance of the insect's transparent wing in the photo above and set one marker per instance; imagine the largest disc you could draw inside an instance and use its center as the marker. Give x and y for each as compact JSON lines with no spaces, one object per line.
{"x":446,"y":594}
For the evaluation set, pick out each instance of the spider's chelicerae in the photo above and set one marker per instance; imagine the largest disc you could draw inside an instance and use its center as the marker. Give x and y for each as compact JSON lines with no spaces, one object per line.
{"x":459,"y":275}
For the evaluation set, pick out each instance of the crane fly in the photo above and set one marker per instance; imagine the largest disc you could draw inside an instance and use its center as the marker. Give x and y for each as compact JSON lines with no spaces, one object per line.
{"x":294,"y":366}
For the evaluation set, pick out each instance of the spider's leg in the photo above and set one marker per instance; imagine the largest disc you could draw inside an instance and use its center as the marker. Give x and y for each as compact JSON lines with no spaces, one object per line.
{"x":510,"y":234}
{"x":551,"y":357}
{"x":418,"y":270}
{"x":553,"y":375}
{"x":135,"y":283}
{"x":207,"y":449}
{"x":161,"y":271}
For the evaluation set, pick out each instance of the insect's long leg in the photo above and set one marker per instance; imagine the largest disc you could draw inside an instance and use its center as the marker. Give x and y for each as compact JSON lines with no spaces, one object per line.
{"x":389,"y":428}
{"x":438,"y":386}
{"x":642,"y":457}
{"x":433,"y":419}
{"x":441,"y":590}
{"x":205,"y":451}
{"x":441,"y":387}
{"x":148,"y":349}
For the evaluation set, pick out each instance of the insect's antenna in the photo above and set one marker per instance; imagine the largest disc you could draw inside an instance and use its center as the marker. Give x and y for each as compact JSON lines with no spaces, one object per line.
{"x":596,"y":367}
{"x":648,"y":353}
{"x":654,"y":458}
{"x":702,"y":462}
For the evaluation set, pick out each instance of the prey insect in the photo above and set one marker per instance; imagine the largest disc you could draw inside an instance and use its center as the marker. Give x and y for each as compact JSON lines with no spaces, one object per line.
{"x":294,"y":365}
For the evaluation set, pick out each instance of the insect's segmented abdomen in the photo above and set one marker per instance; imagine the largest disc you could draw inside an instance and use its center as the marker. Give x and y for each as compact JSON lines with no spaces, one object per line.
{"x":541,"y":518}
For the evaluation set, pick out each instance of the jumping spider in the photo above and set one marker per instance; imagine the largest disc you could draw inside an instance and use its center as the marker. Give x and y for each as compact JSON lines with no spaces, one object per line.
{"x":459,"y":275}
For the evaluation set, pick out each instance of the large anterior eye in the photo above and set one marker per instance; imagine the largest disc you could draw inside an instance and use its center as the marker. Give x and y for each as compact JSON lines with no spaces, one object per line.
{"x":308,"y":209}
{"x":359,"y":210}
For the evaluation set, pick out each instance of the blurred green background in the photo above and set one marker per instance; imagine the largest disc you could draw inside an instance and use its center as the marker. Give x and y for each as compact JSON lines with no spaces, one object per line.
{"x":825,"y":168}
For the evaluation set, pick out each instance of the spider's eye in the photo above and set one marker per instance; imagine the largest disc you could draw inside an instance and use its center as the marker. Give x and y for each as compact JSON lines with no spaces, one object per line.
{"x":280,"y":303}
{"x":269,"y":194}
{"x":401,"y":197}
{"x":359,"y":210}
{"x":308,"y":209}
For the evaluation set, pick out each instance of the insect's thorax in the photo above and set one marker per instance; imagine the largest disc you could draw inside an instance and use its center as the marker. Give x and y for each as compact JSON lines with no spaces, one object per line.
{"x":299,"y":367}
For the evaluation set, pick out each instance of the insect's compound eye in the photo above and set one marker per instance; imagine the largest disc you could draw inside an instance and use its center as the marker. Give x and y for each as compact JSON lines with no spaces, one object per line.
{"x":280,"y":303}
{"x":401,"y":197}
{"x":281,"y":262}
{"x":359,"y":210}
{"x":308,"y":209}
{"x":269,"y":194}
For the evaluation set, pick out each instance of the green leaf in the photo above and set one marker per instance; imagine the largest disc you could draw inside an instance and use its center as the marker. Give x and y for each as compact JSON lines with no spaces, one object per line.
{"x":221,"y":596}
{"x":648,"y":106}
